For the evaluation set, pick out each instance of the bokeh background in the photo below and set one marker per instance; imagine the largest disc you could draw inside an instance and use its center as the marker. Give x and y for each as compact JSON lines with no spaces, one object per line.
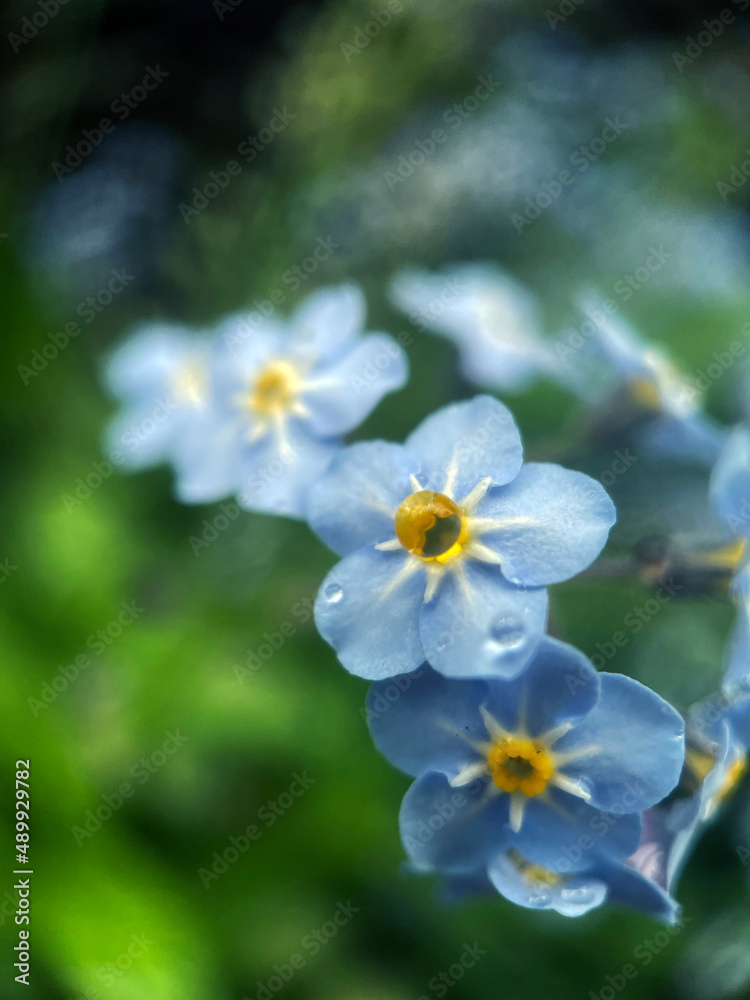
{"x":122,"y":913}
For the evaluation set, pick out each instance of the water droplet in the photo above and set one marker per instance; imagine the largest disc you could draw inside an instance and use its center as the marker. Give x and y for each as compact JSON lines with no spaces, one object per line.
{"x":581,"y":894}
{"x":540,"y":899}
{"x":442,"y":642}
{"x":334,"y":593}
{"x":506,"y":632}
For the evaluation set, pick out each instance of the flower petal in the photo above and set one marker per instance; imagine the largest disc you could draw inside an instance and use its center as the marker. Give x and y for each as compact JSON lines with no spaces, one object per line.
{"x":479,"y":625}
{"x":638,"y":747}
{"x":426,"y":722}
{"x":451,"y":829}
{"x":208,"y":460}
{"x":368,"y":609}
{"x":552,"y":523}
{"x":558,"y":687}
{"x":565,"y":834}
{"x":461,"y":444}
{"x":355,"y":502}
{"x":628,"y":887}
{"x":730,"y":482}
{"x":143,"y":365}
{"x":571,"y":898}
{"x":339,"y":396}
{"x":328,"y":318}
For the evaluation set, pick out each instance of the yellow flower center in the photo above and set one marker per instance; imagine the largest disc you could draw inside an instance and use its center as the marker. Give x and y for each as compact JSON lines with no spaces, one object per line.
{"x":431,"y":525}
{"x":274,"y":389}
{"x":520,"y":764}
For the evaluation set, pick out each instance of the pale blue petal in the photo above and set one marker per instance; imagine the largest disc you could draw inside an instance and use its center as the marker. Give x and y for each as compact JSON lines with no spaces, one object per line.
{"x":571,"y":898}
{"x":638,"y":747}
{"x":492,"y":319}
{"x":372,"y":624}
{"x":628,"y":887}
{"x":559,"y":686}
{"x":340,"y":395}
{"x":426,"y":722}
{"x":730,"y":482}
{"x":355,"y":502}
{"x":463,"y":443}
{"x":553,"y":523}
{"x":483,"y":626}
{"x":243,"y":346}
{"x":693,"y":438}
{"x":208,"y":460}
{"x":144,"y":434}
{"x":276,"y":479}
{"x":738,"y":650}
{"x":328,"y":319}
{"x":142,"y":367}
{"x":562,"y":833}
{"x":451,"y":829}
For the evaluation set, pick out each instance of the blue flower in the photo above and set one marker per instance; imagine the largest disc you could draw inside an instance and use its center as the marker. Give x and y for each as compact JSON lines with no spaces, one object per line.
{"x":493,"y":320}
{"x":546,"y":773}
{"x":448,"y":543}
{"x":161,"y":377}
{"x":277,"y":398}
{"x":718,"y":737}
{"x":663,"y":404}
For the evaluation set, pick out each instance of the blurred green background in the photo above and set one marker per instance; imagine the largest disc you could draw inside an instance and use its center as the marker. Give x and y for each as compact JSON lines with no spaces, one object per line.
{"x":121,"y":910}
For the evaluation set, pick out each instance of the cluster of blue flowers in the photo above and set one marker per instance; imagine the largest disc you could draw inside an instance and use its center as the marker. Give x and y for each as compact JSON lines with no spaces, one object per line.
{"x":559,"y":786}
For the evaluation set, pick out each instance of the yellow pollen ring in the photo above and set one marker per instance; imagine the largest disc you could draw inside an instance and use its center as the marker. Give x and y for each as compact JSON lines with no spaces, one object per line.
{"x":520,"y":765}
{"x":274,"y":389}
{"x":431,"y":525}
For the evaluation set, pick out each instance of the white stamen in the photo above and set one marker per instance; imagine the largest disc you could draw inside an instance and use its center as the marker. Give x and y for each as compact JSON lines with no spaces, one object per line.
{"x":392,"y":545}
{"x":470,"y":501}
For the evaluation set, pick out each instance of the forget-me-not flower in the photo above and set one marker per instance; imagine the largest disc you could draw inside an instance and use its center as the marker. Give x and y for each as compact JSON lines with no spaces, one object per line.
{"x":716,"y":759}
{"x":551,"y":769}
{"x":665,"y":406}
{"x":276,"y":398}
{"x":448,"y":542}
{"x":493,"y":320}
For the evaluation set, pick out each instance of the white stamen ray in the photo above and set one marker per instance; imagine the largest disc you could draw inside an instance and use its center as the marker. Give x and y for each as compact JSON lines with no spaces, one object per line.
{"x":392,"y":545}
{"x":434,"y":576}
{"x":566,"y":756}
{"x":492,"y":726}
{"x":551,"y":736}
{"x":469,"y":773}
{"x":415,"y":483}
{"x":407,"y":570}
{"x":450,"y":476}
{"x":475,"y":550}
{"x":470,"y":501}
{"x":299,"y":410}
{"x":566,"y":784}
{"x":517,"y":809}
{"x":379,"y":507}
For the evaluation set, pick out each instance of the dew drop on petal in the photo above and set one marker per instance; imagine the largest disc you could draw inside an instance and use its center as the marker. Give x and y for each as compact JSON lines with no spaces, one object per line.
{"x":581,"y":894}
{"x":334,"y":593}
{"x":540,"y":899}
{"x":506,"y":632}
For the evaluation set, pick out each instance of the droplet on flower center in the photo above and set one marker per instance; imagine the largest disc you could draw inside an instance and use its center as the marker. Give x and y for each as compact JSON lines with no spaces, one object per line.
{"x":274,"y":389}
{"x":428,"y":524}
{"x":520,"y":765}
